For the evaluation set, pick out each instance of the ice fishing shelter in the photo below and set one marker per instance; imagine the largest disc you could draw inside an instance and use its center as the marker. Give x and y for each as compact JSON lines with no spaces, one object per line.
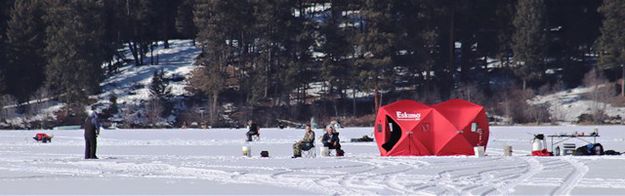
{"x":452,"y":127}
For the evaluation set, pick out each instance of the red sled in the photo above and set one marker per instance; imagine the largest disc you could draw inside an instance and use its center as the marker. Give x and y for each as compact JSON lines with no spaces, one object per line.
{"x":42,"y":137}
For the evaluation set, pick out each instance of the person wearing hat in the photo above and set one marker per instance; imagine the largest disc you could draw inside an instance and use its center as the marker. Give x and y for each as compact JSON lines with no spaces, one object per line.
{"x":305,"y":144}
{"x":92,"y":130}
{"x":331,"y":138}
{"x":336,"y":125}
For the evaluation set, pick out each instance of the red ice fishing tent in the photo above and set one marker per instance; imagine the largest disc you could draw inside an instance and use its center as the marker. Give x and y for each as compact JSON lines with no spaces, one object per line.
{"x":452,"y":127}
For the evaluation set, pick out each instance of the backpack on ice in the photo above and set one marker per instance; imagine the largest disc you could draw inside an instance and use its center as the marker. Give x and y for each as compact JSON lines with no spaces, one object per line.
{"x":340,"y":152}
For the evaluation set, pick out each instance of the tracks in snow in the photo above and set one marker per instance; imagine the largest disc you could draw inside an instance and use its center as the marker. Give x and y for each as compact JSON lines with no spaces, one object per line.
{"x":350,"y":175}
{"x":578,"y":171}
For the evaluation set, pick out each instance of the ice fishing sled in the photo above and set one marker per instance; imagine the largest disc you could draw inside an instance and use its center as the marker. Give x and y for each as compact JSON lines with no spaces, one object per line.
{"x":43,"y":137}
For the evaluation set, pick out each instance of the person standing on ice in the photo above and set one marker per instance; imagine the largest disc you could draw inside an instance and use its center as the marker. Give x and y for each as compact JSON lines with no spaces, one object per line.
{"x":92,"y":130}
{"x":305,"y":144}
{"x":253,"y":130}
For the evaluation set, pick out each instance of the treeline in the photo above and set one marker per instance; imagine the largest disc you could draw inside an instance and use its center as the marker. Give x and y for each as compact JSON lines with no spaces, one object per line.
{"x":498,"y":53}
{"x":268,"y":55}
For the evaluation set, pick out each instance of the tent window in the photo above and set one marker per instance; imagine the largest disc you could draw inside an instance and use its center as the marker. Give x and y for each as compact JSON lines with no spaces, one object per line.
{"x":395,"y":133}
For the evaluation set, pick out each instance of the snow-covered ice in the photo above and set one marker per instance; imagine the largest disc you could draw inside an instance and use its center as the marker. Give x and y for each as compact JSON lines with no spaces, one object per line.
{"x":190,"y":161}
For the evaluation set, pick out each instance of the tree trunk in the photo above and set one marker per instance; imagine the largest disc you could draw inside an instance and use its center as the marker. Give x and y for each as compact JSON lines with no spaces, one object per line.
{"x":151,"y":53}
{"x":141,"y":54}
{"x":452,"y":41}
{"x":623,"y":81}
{"x":110,"y":67}
{"x":213,"y":112}
{"x":135,"y":53}
{"x":376,"y":99}
{"x":267,"y":74}
{"x":354,"y":102}
{"x":336,"y":110}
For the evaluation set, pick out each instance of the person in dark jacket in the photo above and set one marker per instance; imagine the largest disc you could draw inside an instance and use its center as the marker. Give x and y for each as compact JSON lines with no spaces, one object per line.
{"x":92,"y":130}
{"x":253,"y":130}
{"x":331,"y":139}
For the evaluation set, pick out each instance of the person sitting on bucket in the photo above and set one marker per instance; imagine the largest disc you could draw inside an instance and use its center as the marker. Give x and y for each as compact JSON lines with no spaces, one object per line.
{"x":253,"y":130}
{"x":305,"y":144}
{"x":331,"y":138}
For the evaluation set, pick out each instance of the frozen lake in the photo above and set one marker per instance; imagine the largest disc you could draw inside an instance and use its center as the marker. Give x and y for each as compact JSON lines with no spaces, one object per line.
{"x":187,"y":161}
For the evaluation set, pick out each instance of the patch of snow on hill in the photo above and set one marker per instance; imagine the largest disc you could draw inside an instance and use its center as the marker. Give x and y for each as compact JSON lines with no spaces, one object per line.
{"x":568,"y":105}
{"x":131,"y":85}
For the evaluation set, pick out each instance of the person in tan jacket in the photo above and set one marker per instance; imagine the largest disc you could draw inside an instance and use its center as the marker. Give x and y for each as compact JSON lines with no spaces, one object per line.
{"x":306,"y":143}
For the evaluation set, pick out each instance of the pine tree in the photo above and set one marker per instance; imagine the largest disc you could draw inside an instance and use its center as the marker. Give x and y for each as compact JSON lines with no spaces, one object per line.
{"x":73,"y":48}
{"x":5,"y":8}
{"x":159,"y":87}
{"x":280,"y":51}
{"x":574,"y":27}
{"x":504,"y":30}
{"x":417,"y":53}
{"x":529,"y":40}
{"x":336,"y":47}
{"x":184,"y":20}
{"x":25,"y":44}
{"x":298,"y":66}
{"x":611,"y":43}
{"x":212,"y":26}
{"x":141,"y":27}
{"x":165,"y":19}
{"x":114,"y":106}
{"x":115,"y":23}
{"x":377,"y":47}
{"x":209,"y":81}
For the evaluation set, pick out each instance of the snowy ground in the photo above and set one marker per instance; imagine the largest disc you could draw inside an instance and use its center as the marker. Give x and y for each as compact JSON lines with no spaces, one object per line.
{"x":209,"y":162}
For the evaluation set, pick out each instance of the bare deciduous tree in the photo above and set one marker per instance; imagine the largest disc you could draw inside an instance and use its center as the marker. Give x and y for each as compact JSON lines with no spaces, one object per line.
{"x":601,"y":92}
{"x":153,"y":111}
{"x":8,"y":105}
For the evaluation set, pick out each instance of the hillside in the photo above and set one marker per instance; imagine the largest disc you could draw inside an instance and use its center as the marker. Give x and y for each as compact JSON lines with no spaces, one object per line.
{"x":130,"y":84}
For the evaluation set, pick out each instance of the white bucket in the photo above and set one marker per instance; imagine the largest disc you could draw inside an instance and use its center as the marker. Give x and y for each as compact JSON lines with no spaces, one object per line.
{"x":247,"y":151}
{"x":507,"y":150}
{"x":324,"y":151}
{"x":478,"y":151}
{"x":537,"y":145}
